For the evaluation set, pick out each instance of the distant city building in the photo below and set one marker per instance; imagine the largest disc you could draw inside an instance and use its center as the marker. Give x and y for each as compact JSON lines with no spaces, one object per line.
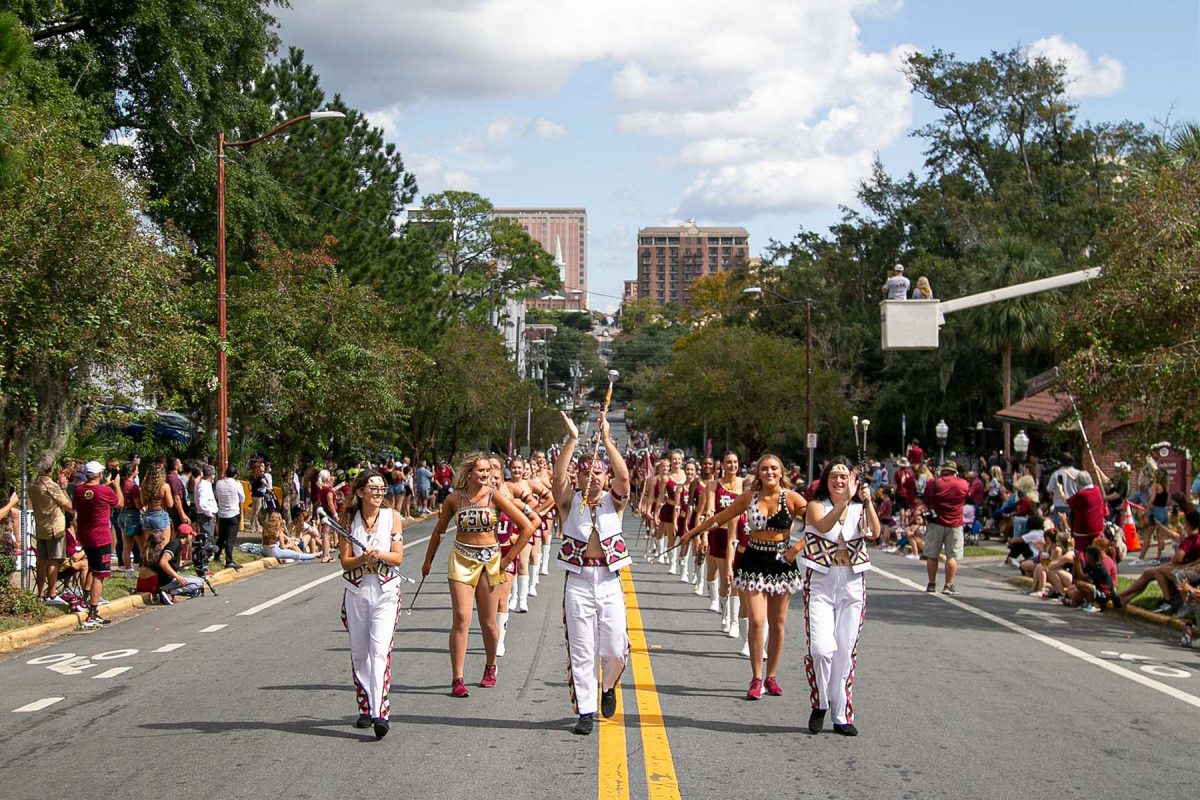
{"x":630,"y":294}
{"x":670,"y":259}
{"x":563,"y":232}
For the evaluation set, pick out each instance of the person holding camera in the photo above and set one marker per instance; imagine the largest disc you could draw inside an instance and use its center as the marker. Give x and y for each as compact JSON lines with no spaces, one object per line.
{"x":94,"y":503}
{"x":172,"y":582}
{"x":945,"y":496}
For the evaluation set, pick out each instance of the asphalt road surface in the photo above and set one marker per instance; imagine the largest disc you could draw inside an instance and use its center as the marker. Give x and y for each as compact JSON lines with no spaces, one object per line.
{"x":249,"y":694}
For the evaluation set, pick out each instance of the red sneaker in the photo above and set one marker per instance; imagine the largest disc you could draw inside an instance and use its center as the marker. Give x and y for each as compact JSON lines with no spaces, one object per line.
{"x":489,"y":676}
{"x":755,"y":690}
{"x":459,"y":689}
{"x":772,"y":687}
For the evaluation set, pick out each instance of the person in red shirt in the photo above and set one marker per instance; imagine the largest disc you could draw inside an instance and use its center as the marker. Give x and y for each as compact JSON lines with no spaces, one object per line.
{"x":94,"y":504}
{"x":915,"y":453}
{"x":1087,"y":512}
{"x":945,"y":495}
{"x":443,"y":479}
{"x":1184,"y":565}
{"x":905,"y":484}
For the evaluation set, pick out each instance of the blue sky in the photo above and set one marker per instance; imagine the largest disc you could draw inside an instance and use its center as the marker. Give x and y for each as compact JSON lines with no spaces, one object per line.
{"x":762,"y":114}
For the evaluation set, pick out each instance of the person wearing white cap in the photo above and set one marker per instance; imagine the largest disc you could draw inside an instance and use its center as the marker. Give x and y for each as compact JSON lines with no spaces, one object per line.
{"x":93,"y":528}
{"x":896,"y":287}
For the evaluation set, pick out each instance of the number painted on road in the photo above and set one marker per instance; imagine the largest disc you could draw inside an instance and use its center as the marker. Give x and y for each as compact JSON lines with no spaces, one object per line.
{"x":53,"y":658}
{"x":1159,"y":670}
{"x":111,"y":654}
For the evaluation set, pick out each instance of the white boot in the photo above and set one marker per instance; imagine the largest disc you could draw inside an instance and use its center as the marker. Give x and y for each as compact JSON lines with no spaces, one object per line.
{"x":512,"y":600}
{"x":715,"y":588}
{"x":651,"y":549}
{"x":663,"y":556}
{"x":522,"y":593}
{"x":766,"y":640}
{"x":685,"y":566}
{"x":700,"y":586}
{"x":744,"y":635}
{"x":674,"y":570}
{"x":533,"y":579}
{"x":735,"y":606}
{"x":502,"y":621}
{"x":545,"y":559}
{"x":724,"y":615}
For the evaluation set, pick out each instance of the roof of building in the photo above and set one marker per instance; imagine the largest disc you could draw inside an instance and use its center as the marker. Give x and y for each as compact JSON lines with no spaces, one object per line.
{"x":693,"y":230}
{"x":514,"y":210}
{"x":1040,"y":409}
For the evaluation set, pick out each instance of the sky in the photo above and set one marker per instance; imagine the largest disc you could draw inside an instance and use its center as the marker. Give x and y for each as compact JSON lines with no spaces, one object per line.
{"x":759,"y":113}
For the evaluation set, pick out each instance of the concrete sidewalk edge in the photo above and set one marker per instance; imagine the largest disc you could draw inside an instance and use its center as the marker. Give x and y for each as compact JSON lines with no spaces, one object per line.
{"x":20,"y":638}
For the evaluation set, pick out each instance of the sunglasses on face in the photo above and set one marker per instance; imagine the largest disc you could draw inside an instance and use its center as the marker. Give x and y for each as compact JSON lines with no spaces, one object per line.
{"x":376,"y":489}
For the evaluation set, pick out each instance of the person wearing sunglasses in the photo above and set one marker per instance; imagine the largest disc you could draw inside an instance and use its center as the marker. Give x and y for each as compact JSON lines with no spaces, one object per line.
{"x":371,"y":602}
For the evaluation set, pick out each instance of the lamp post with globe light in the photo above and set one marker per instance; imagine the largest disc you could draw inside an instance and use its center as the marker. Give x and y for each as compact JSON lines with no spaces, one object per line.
{"x":1020,"y":445}
{"x":943,"y":433}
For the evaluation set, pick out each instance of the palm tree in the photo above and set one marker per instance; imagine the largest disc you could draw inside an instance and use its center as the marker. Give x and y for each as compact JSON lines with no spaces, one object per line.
{"x":1017,"y":325}
{"x":1184,"y":142}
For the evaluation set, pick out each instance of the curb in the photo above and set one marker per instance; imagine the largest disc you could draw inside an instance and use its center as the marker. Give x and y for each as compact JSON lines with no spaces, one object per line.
{"x":19,"y":639}
{"x":1129,"y":611}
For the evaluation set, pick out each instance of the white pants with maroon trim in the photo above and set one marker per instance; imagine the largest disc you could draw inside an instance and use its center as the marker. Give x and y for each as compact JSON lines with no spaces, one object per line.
{"x":835,"y":605}
{"x":370,"y":618}
{"x":594,"y":617}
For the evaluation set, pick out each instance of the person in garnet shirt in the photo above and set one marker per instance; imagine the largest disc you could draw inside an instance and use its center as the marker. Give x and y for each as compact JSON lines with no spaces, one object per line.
{"x":94,"y":504}
{"x":915,"y":453}
{"x":945,"y":495}
{"x":1087,"y":512}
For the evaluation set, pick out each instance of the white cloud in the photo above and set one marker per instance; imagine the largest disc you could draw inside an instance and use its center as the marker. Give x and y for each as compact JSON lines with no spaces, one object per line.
{"x":542,"y":128}
{"x":776,"y":104}
{"x":435,"y":177}
{"x":1085,"y":78}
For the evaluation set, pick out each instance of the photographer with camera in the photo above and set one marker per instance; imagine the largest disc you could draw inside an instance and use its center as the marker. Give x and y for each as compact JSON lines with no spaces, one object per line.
{"x":171,"y":582}
{"x":945,"y":495}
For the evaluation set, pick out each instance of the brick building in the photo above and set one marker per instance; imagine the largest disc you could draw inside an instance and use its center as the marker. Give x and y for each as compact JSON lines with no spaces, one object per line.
{"x":563,"y":233}
{"x":669,"y":259}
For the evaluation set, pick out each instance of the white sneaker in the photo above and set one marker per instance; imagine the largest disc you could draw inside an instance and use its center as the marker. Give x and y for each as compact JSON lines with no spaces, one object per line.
{"x":911,"y":556}
{"x":131,"y":573}
{"x":57,"y":601}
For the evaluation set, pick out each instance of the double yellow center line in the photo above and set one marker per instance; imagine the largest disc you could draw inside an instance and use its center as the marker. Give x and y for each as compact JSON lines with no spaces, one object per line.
{"x":613,"y":773}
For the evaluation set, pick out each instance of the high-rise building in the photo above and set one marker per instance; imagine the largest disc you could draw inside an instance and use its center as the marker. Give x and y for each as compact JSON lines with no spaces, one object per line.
{"x":563,"y":232}
{"x":669,"y":259}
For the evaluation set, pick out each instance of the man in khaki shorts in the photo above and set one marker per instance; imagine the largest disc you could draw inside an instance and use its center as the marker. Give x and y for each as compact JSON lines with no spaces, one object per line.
{"x":945,"y":496}
{"x":49,"y":499}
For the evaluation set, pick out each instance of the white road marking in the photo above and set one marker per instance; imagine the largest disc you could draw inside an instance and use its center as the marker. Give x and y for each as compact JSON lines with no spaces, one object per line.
{"x":72,"y":666}
{"x":167,"y":648}
{"x":213,"y":628}
{"x":249,"y":612}
{"x":38,"y":705}
{"x":1061,"y":647}
{"x":111,"y":673}
{"x":1045,"y":616}
{"x":114,"y":654}
{"x":54,"y":658}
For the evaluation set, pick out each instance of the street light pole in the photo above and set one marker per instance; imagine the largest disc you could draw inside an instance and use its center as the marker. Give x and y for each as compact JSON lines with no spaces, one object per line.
{"x":222,"y":332}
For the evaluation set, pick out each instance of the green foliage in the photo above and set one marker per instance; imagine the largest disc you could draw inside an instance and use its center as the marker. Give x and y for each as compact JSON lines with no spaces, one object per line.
{"x":311,"y":364}
{"x":87,"y":290}
{"x":579,"y":320}
{"x":745,"y":386}
{"x":570,"y":346}
{"x":484,"y":260}
{"x":1134,"y":345}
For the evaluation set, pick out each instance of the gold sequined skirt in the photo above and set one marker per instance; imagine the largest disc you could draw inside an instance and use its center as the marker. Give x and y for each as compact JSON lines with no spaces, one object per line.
{"x":470,"y":562}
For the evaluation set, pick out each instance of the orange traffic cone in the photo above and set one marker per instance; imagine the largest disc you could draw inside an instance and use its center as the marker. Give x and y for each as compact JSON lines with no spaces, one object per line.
{"x":1132,"y":543}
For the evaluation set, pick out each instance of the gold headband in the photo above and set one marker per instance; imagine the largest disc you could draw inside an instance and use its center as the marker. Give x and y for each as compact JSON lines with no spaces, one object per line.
{"x":839,"y":468}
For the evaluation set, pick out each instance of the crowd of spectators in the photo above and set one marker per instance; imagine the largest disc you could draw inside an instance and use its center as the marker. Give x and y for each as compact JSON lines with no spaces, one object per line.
{"x":161,"y":523}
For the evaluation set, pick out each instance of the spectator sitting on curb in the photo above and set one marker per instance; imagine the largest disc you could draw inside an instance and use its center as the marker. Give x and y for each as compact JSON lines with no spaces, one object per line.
{"x":278,"y":544}
{"x":1029,"y":544}
{"x":304,"y":533}
{"x":1098,"y":585}
{"x":170,"y":580}
{"x":1052,"y":576}
{"x":1184,"y":564}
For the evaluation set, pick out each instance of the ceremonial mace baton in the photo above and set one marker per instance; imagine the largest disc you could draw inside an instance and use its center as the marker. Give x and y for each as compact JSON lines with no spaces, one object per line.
{"x":388,"y":569}
{"x":612,"y":378}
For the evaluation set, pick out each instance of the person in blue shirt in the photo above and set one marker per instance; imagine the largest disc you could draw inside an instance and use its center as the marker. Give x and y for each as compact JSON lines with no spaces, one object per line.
{"x":423,"y":478}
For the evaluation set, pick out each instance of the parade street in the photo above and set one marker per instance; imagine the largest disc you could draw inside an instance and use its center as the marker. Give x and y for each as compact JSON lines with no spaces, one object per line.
{"x":988,"y":694}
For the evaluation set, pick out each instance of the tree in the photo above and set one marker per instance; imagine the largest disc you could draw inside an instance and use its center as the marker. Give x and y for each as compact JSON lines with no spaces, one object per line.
{"x":347,"y":182}
{"x":311,"y":365}
{"x":89,"y":293}
{"x":485,"y":260}
{"x":1135,"y":353}
{"x":745,"y":387}
{"x":1018,"y":325}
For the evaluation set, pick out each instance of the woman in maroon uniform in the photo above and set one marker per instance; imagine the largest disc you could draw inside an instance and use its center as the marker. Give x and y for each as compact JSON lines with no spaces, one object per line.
{"x":720,"y":543}
{"x":686,"y":502}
